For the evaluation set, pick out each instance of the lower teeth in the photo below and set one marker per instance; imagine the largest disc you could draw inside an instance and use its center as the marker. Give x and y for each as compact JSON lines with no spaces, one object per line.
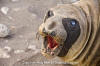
{"x":52,"y":53}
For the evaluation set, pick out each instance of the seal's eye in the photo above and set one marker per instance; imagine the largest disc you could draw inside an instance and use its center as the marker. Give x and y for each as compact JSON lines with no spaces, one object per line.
{"x":49,"y":14}
{"x":73,"y":22}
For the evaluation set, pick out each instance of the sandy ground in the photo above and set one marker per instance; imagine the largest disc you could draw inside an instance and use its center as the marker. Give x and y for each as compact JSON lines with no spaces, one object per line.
{"x":23,"y":18}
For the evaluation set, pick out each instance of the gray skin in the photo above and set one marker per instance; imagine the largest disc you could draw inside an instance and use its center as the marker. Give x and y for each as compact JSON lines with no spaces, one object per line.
{"x":85,"y":50}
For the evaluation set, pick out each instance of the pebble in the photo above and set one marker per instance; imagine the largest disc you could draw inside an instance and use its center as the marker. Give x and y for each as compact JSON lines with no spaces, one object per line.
{"x":37,"y":51}
{"x":32,"y":47}
{"x":4,"y":10}
{"x":7,"y":48}
{"x":18,"y":51}
{"x":74,"y":0}
{"x":14,"y":0}
{"x":18,"y":59}
{"x":16,"y":9}
{"x":20,"y":36}
{"x":13,"y":27}
{"x":6,"y":41}
{"x":4,"y":54}
{"x":10,"y":17}
{"x":34,"y":15}
{"x":4,"y":31}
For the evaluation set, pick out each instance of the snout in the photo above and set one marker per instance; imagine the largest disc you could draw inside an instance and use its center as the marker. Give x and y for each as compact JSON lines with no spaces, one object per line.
{"x":54,"y":36}
{"x":53,"y":28}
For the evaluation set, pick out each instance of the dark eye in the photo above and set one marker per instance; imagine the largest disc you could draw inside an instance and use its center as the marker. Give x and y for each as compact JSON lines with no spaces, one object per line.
{"x":73,"y":22}
{"x":49,"y":14}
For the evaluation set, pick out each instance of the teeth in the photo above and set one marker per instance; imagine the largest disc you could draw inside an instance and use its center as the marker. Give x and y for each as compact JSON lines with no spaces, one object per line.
{"x":52,"y":53}
{"x":55,"y":47}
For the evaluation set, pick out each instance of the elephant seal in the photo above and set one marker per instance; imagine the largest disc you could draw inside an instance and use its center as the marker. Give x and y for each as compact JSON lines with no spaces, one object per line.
{"x":72,"y":32}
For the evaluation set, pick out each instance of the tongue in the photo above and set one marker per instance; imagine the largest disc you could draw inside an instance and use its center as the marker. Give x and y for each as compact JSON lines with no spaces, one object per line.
{"x":52,"y":43}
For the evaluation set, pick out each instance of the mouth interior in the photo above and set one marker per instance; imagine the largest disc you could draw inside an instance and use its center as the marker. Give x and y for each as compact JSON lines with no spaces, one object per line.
{"x":51,"y":42}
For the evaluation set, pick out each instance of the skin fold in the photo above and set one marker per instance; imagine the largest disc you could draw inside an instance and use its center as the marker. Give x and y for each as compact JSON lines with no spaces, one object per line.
{"x":73,"y":33}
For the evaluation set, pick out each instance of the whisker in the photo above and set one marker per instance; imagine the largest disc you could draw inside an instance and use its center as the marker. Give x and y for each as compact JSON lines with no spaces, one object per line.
{"x":37,"y":35}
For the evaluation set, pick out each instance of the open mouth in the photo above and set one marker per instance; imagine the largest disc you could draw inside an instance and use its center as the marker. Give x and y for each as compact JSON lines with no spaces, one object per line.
{"x":50,"y":44}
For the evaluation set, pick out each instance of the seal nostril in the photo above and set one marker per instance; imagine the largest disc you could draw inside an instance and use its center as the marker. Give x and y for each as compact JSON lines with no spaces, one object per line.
{"x":50,"y":13}
{"x":51,"y":25}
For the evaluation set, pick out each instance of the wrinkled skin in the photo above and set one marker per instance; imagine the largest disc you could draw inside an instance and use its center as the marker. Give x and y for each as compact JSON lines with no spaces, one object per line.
{"x":70,"y":32}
